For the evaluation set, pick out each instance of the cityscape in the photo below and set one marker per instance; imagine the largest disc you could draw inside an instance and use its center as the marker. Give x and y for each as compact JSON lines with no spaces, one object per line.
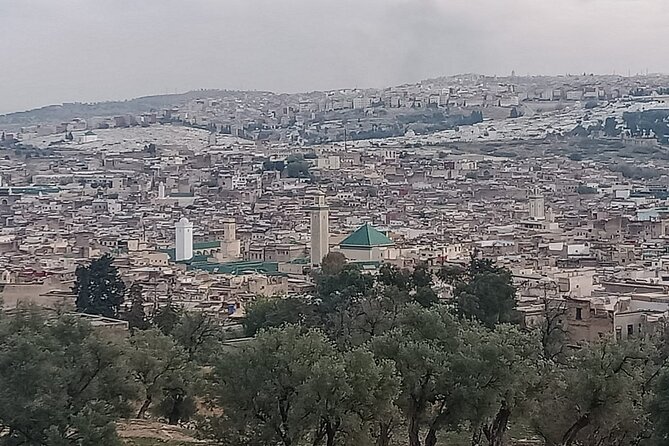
{"x":466,"y":260}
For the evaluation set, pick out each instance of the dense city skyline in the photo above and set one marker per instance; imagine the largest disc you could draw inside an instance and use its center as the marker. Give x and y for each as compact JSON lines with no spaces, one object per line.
{"x":296,"y":45}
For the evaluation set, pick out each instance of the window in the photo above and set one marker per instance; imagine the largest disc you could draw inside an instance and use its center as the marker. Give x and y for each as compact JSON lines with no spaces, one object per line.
{"x":579,"y":314}
{"x":619,"y":333}
{"x":630,"y":330}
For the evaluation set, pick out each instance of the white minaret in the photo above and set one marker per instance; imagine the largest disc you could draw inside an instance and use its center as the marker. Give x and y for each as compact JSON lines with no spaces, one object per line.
{"x":320,"y":232}
{"x":184,"y":242}
{"x":161,"y":190}
{"x":537,"y":205}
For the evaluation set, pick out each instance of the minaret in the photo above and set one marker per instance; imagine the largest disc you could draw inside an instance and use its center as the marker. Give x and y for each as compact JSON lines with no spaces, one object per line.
{"x":184,"y":240}
{"x":537,"y":205}
{"x":230,"y":246}
{"x":320,"y":232}
{"x":161,"y":190}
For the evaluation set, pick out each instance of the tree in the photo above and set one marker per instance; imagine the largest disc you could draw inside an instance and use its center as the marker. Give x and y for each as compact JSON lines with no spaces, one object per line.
{"x":333,"y":263}
{"x":489,"y":297}
{"x":422,"y":282}
{"x":392,"y":275}
{"x":297,"y":167}
{"x":337,"y":295}
{"x":290,"y":386}
{"x":500,"y":376}
{"x":136,"y":317}
{"x":99,"y":288}
{"x":199,"y":334}
{"x":167,"y":318}
{"x":422,"y":348}
{"x":597,"y":397}
{"x":274,"y":312}
{"x":659,"y":410}
{"x":483,"y":291}
{"x":553,"y":334}
{"x":421,"y":276}
{"x":158,"y":364}
{"x":60,"y":384}
{"x":582,"y":189}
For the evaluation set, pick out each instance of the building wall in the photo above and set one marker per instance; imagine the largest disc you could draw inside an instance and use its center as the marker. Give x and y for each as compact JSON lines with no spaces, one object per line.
{"x":588,"y":324}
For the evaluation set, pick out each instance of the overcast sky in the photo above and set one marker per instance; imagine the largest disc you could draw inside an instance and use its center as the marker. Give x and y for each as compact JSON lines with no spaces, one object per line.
{"x":54,"y":51}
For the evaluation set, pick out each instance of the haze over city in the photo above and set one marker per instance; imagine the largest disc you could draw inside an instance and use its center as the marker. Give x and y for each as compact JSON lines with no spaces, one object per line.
{"x":83,"y":50}
{"x":334,"y":223}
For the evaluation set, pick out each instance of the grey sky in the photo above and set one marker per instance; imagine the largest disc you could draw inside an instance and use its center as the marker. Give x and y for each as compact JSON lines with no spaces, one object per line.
{"x":87,"y":50}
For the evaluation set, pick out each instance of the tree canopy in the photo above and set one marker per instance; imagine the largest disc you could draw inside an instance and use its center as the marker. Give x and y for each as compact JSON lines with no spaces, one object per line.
{"x":99,"y":288}
{"x":60,"y":384}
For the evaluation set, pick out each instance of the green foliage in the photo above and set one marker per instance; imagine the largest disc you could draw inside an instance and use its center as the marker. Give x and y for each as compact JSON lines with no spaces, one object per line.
{"x":167,"y":318}
{"x":422,"y":348}
{"x":483,"y":291}
{"x":635,"y":172}
{"x":297,"y":167}
{"x":333,"y":263}
{"x":273,"y":165}
{"x":275,"y":312}
{"x":136,"y":317}
{"x":198,"y":334}
{"x":291,"y":386}
{"x":659,"y":409}
{"x":162,"y":370}
{"x":99,"y":288}
{"x":597,"y":397}
{"x":585,"y":190}
{"x":60,"y":384}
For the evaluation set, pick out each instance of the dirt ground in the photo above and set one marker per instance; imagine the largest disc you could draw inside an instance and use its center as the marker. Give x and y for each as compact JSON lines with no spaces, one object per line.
{"x":161,"y":433}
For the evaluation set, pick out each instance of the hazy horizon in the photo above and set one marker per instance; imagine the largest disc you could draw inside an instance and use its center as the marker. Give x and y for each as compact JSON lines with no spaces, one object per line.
{"x":94,"y":50}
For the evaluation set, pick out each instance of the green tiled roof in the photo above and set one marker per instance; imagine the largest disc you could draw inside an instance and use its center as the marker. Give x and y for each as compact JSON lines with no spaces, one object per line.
{"x":236,"y":268}
{"x":366,"y":237}
{"x":206,"y":245}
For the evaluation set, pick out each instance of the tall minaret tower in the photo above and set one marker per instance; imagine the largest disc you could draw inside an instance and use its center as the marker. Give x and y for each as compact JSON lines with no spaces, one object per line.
{"x":184,"y":241}
{"x":537,"y":205}
{"x":320,"y":231}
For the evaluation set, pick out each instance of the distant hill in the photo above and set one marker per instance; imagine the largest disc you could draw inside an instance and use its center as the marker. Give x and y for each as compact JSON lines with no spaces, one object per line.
{"x":69,"y":111}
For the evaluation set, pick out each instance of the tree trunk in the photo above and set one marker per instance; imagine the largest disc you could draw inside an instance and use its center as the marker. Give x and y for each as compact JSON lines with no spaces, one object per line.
{"x":330,"y":435}
{"x":173,"y":417}
{"x":571,"y":434}
{"x":414,"y":430}
{"x":385,"y":433}
{"x":495,"y":432}
{"x":145,"y":407}
{"x":431,"y":437}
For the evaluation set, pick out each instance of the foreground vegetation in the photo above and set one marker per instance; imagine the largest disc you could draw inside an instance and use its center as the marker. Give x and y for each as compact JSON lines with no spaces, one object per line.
{"x":365,"y":361}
